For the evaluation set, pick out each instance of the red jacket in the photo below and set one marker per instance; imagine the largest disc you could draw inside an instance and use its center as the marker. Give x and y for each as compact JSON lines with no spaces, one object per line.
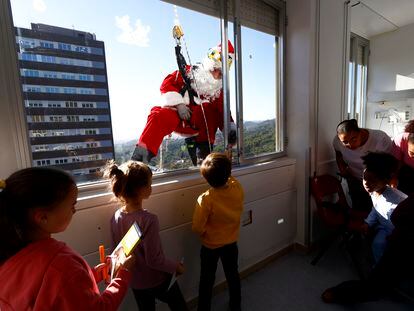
{"x":48,"y":275}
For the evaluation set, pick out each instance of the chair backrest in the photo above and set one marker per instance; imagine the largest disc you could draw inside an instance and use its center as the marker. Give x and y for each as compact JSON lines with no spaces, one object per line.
{"x":325,"y":186}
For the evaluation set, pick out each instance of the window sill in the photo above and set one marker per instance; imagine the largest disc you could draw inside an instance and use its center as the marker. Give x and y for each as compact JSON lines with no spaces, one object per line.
{"x":98,"y":194}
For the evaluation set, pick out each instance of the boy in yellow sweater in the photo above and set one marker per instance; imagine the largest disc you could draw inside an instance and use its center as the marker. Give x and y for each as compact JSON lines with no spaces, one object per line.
{"x":217,"y":220}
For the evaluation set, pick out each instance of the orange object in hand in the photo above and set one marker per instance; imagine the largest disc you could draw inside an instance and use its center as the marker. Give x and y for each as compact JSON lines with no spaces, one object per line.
{"x":105,"y":275}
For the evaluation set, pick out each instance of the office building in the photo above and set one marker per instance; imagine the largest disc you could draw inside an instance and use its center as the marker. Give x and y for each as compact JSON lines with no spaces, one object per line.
{"x":65,"y":92}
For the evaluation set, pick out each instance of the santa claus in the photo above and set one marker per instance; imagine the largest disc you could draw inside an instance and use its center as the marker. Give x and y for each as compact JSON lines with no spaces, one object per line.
{"x":193,"y":108}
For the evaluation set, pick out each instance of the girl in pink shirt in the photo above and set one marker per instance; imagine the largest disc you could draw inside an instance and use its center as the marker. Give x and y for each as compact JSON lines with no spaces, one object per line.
{"x":403,"y":150}
{"x":151,"y":275}
{"x":38,"y":272}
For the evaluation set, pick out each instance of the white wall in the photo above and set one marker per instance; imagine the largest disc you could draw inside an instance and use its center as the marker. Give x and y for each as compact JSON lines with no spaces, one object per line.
{"x":330,"y":97}
{"x":391,"y":55}
{"x":299,"y":100}
{"x":315,"y":82}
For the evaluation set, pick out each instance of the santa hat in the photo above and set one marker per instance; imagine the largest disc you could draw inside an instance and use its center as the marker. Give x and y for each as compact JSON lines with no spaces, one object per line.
{"x":213,"y":59}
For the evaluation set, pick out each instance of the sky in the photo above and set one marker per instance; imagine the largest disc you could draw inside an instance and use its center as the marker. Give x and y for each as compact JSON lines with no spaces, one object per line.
{"x":139,"y":50}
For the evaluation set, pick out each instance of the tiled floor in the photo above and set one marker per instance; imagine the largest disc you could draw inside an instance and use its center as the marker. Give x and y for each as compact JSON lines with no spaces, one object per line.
{"x":292,"y":283}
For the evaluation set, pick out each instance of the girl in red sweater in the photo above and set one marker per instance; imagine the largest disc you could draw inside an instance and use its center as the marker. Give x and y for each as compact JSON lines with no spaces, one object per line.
{"x":38,"y":272}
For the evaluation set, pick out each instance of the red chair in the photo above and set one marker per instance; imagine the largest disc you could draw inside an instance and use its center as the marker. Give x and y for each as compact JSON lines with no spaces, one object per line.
{"x":334,"y":212}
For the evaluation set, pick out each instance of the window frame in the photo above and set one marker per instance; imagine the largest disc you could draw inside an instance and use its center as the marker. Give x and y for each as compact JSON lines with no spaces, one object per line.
{"x":280,"y":6}
{"x":355,"y":42}
{"x":14,"y":89}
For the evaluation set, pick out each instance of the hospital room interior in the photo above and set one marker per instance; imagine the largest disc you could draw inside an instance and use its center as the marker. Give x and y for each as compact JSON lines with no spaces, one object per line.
{"x":79,"y":82}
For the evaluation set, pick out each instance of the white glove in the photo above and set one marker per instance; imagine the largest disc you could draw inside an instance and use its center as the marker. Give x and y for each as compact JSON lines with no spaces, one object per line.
{"x":184,"y":111}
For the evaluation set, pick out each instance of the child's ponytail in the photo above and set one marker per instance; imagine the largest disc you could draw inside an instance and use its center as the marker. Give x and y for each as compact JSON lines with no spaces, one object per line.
{"x":128,"y":178}
{"x":117,"y":178}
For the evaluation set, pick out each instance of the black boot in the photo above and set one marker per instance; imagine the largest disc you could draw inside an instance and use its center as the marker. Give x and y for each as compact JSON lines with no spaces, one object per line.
{"x":192,"y":149}
{"x":141,"y":154}
{"x":204,"y":150}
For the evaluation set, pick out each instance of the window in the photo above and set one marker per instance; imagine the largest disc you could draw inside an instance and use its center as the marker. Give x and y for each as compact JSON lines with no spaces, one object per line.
{"x":55,"y":118}
{"x":47,"y":45}
{"x":38,"y":118}
{"x":38,"y":133}
{"x":71,"y":104}
{"x":72,"y":118}
{"x":130,"y":54}
{"x":28,"y":57}
{"x":357,"y":79}
{"x":30,"y":73}
{"x":51,"y":75}
{"x":90,"y":132}
{"x":64,"y":46}
{"x":81,"y":49}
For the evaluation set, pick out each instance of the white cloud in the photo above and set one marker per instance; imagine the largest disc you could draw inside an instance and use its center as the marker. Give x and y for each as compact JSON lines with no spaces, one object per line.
{"x":39,"y":5}
{"x":129,"y":35}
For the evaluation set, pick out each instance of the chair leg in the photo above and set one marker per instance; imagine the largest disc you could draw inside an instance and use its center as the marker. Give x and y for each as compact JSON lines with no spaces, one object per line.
{"x":352,"y":250}
{"x":324,"y":248}
{"x":321,"y":252}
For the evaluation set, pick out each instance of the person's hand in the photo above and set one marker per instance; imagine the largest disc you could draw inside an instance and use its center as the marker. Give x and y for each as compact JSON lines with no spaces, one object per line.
{"x":180,"y":269}
{"x":184,"y":111}
{"x":98,"y":271}
{"x":123,"y":262}
{"x":127,"y":263}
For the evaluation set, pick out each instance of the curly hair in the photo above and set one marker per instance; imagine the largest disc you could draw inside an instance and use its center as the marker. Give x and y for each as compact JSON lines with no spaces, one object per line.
{"x":383,"y":165}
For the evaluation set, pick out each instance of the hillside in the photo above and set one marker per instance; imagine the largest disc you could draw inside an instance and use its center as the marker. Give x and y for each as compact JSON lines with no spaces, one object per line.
{"x":259,"y":138}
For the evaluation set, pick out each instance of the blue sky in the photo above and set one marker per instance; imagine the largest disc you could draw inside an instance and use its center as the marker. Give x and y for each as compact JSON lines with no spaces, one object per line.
{"x":140,"y":52}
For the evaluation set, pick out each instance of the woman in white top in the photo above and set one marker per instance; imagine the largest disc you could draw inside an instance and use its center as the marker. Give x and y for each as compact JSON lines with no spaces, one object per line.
{"x":350,"y":144}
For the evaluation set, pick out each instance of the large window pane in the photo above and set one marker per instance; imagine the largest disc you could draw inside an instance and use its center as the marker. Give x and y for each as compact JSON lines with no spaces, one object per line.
{"x":89,"y":81}
{"x":259,"y":92}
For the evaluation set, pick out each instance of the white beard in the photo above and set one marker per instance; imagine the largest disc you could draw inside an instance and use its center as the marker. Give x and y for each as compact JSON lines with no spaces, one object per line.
{"x":204,"y":83}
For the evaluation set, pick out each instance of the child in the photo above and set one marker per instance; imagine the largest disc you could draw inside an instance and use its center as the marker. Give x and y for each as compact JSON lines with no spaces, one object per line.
{"x":395,"y":265}
{"x":377,"y":175}
{"x":131,"y":184}
{"x":217,"y":220}
{"x":38,"y":272}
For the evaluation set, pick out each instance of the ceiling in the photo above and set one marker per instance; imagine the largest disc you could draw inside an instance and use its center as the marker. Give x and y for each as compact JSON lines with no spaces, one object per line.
{"x":370,"y":18}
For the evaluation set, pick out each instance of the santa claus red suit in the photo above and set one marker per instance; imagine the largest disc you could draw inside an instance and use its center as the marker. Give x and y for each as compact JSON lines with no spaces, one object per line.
{"x":197,"y":116}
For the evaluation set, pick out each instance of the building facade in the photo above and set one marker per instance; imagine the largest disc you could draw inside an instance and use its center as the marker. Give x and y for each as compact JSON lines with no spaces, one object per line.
{"x":65,"y":92}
